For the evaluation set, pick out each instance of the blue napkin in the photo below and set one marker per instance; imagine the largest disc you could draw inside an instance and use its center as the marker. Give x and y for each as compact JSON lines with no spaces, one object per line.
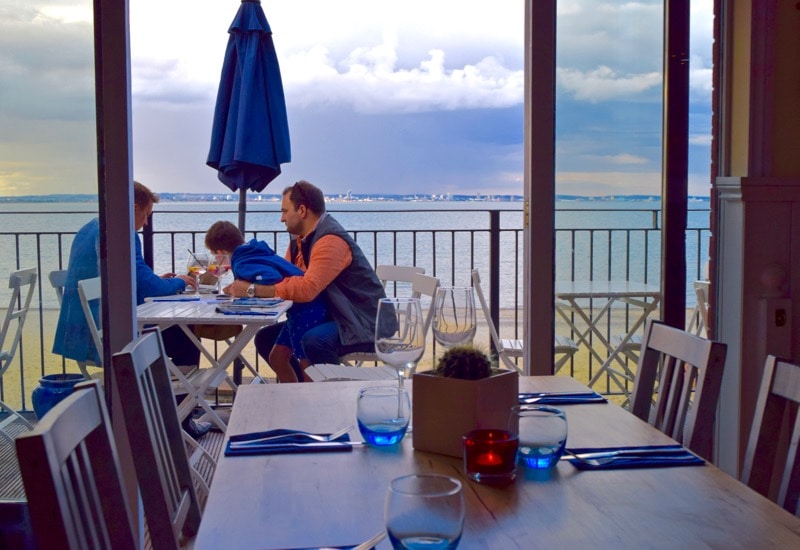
{"x":285,"y":445}
{"x":561,"y":398}
{"x":674,"y":455}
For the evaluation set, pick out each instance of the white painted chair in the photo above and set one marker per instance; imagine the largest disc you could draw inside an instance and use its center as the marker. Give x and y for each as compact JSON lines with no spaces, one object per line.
{"x":90,"y":291}
{"x":508,"y":348}
{"x":58,"y":279}
{"x":22,"y":284}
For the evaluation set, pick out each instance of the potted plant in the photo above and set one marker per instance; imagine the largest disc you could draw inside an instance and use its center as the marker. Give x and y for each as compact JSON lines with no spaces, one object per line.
{"x":463,"y":393}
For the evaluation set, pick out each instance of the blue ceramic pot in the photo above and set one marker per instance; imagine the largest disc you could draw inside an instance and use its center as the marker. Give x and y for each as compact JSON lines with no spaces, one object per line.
{"x":52,"y":389}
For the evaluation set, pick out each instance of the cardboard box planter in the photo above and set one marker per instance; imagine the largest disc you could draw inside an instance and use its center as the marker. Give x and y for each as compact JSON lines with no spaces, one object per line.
{"x":444,"y":409}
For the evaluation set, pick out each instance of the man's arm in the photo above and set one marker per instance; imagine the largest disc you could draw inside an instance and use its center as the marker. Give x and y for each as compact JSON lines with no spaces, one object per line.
{"x":329,"y":257}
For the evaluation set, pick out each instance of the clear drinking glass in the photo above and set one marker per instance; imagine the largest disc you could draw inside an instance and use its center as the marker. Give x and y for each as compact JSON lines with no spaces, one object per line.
{"x":197,"y":265}
{"x":454,"y":316}
{"x":218,"y":266}
{"x":399,"y":334}
{"x":425,"y":511}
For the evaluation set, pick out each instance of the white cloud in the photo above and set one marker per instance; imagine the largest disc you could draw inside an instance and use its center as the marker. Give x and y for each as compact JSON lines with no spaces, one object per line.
{"x":603,"y":83}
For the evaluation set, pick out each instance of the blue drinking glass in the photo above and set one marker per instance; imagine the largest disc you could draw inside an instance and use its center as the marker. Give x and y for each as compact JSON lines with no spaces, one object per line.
{"x":383,"y":413}
{"x":542,"y":435}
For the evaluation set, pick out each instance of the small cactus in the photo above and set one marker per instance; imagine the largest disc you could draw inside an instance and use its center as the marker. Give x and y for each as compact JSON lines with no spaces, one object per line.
{"x":464,"y":362}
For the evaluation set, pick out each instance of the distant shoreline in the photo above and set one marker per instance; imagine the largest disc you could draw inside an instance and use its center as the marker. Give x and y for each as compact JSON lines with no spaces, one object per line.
{"x":347,"y":197}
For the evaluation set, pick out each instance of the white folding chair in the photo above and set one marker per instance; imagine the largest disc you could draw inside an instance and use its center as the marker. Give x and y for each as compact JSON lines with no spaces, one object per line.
{"x":22,"y":284}
{"x":508,"y":348}
{"x":422,"y":287}
{"x":698,"y":322}
{"x":90,"y":291}
{"x":394,"y":277}
{"x":58,"y":279}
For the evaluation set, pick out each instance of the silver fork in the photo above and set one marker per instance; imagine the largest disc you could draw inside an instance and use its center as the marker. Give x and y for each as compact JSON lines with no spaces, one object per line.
{"x":606,"y":457}
{"x":313,"y":437}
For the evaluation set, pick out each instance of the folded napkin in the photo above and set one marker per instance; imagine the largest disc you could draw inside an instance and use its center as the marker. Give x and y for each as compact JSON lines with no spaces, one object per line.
{"x":294,"y":442}
{"x":227,"y":311}
{"x":655,"y":456}
{"x":561,"y":398}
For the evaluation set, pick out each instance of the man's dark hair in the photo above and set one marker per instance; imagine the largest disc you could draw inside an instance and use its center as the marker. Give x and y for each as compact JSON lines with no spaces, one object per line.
{"x":223,"y":235}
{"x":305,"y":194}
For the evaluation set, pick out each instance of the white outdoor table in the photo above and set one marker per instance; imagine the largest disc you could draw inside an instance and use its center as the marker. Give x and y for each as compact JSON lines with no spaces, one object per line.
{"x":166,"y":311}
{"x":576,"y":302}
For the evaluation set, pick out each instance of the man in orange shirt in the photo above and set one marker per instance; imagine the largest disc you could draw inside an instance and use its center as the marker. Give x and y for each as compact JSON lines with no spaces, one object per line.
{"x":333,"y":265}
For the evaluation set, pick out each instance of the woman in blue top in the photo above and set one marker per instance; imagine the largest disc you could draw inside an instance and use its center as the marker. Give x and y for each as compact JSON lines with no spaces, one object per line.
{"x":257,"y":263}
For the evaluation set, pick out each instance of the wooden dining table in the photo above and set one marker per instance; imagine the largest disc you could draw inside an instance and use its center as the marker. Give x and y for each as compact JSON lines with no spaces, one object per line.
{"x":337,"y":499}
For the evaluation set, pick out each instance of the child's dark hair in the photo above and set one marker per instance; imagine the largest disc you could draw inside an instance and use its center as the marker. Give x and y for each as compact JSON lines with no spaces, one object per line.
{"x":223,"y":235}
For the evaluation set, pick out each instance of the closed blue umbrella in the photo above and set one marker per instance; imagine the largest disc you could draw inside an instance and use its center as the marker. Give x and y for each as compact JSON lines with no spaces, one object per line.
{"x":250,"y":134}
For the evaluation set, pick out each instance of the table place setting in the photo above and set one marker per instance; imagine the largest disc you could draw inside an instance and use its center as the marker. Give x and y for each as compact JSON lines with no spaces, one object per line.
{"x":283,"y":441}
{"x":615,"y":458}
{"x":561,"y":398}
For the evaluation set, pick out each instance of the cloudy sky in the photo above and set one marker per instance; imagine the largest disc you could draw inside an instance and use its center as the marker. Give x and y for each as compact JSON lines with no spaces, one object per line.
{"x":390,"y":96}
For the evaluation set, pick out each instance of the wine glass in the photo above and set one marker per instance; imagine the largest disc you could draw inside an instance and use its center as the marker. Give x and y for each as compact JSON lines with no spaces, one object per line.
{"x":454,"y":316}
{"x":197,"y":264}
{"x":399,"y":334}
{"x":218,"y":266}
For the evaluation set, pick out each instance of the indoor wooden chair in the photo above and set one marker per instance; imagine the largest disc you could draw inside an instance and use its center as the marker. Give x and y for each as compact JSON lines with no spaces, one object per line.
{"x":72,"y":477}
{"x":162,"y":467}
{"x":564,"y":347}
{"x":689,"y":373}
{"x":772,"y":458}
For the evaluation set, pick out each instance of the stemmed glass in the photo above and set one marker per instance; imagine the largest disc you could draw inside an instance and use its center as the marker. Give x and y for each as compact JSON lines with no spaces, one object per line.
{"x":399,"y":334}
{"x":218,"y":266}
{"x":197,"y":264}
{"x":454,"y":316}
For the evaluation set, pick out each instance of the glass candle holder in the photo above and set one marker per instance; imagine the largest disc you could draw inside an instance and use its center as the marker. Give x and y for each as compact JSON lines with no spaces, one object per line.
{"x":490,"y":456}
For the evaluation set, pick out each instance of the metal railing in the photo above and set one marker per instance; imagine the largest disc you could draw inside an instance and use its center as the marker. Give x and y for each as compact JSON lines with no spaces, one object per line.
{"x":489,"y":239}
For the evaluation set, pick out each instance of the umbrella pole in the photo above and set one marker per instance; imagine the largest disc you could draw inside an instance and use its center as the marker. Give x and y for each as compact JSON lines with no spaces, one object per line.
{"x":242,"y":208}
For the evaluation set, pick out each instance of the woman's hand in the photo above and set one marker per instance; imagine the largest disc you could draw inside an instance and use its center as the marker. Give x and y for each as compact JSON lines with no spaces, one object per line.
{"x":237,"y":288}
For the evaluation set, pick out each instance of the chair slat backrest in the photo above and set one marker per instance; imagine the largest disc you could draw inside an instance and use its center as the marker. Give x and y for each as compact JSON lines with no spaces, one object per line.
{"x":392,"y":276}
{"x":72,"y":478}
{"x":772,"y":459}
{"x":151,"y":419}
{"x":689,"y":372}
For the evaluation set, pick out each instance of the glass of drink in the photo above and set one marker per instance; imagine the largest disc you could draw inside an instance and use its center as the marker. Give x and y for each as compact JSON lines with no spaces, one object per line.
{"x":197,"y":265}
{"x":383,"y":413}
{"x":219,"y":265}
{"x":425,"y":511}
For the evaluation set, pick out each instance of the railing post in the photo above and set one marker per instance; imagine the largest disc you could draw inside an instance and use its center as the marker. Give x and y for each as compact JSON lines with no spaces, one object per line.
{"x":147,"y":245}
{"x":494,"y":267}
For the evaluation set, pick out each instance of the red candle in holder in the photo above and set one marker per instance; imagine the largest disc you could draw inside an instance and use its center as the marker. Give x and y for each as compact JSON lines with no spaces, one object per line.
{"x":490,"y":455}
